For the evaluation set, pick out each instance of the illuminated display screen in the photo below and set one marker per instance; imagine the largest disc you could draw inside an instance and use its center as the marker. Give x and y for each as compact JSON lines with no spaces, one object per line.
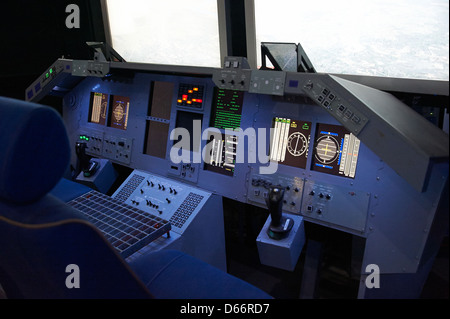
{"x":290,"y":141}
{"x":118,"y":116}
{"x":97,"y":108}
{"x":226,"y":109}
{"x":190,"y":95}
{"x":222,"y":157}
{"x":335,"y":151}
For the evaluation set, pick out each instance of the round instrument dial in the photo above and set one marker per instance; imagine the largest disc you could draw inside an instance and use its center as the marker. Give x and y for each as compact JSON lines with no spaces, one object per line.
{"x":297,"y":144}
{"x":118,"y":112}
{"x":327,"y":149}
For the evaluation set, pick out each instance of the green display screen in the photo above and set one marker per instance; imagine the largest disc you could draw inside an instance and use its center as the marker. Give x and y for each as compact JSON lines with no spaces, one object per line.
{"x":227,"y":109}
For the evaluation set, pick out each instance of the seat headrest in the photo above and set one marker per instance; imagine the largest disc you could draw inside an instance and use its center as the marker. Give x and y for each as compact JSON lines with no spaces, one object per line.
{"x":34,"y":150}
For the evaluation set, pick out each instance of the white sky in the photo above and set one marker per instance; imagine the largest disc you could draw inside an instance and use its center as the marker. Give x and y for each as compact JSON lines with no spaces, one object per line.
{"x":401,"y":38}
{"x":166,"y":32}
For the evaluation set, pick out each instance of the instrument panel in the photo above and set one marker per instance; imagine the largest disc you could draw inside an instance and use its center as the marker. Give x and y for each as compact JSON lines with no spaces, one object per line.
{"x":337,"y":147}
{"x":221,"y":140}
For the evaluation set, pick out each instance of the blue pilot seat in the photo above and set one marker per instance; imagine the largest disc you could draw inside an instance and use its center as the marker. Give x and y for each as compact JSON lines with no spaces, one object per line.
{"x":49,"y":250}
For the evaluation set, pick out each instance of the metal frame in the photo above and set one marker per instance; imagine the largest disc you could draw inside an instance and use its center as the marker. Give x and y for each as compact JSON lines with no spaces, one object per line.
{"x":250,"y":27}
{"x":222,"y":30}
{"x":106,"y":25}
{"x":418,"y":86}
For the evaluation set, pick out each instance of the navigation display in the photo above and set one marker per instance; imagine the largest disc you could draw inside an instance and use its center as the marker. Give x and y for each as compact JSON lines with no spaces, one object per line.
{"x":290,"y":141}
{"x":222,"y":157}
{"x":226,"y":113}
{"x":97,"y":108}
{"x":335,"y":151}
{"x":226,"y":109}
{"x":119,"y":109}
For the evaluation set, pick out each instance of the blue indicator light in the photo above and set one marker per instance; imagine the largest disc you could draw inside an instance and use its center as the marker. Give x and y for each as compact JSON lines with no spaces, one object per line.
{"x":329,"y":133}
{"x":324,"y":166}
{"x":293,"y":83}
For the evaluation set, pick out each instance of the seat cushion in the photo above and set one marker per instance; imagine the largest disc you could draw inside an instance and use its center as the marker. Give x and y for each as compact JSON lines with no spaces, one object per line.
{"x":34,"y":152}
{"x":171,"y":274}
{"x":39,"y":241}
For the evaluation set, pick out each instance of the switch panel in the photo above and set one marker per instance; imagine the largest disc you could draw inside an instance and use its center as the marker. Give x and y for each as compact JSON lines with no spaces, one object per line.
{"x":94,"y":142}
{"x":334,"y":103}
{"x":90,"y":68}
{"x":235,"y":74}
{"x":117,"y":148}
{"x":258,"y":190}
{"x":331,"y":204}
{"x":184,"y":171}
{"x":108,"y":146}
{"x":267,"y":82}
{"x":170,"y":200}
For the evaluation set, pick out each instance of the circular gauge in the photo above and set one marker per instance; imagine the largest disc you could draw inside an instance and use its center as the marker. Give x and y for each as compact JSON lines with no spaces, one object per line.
{"x":118,"y":112}
{"x":297,"y":144}
{"x":327,"y":149}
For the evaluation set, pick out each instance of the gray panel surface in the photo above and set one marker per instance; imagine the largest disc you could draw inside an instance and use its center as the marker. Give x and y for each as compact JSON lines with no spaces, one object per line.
{"x":391,"y":209}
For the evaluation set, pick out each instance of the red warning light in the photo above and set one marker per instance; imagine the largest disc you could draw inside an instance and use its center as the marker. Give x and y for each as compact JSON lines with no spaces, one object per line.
{"x":190,"y":95}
